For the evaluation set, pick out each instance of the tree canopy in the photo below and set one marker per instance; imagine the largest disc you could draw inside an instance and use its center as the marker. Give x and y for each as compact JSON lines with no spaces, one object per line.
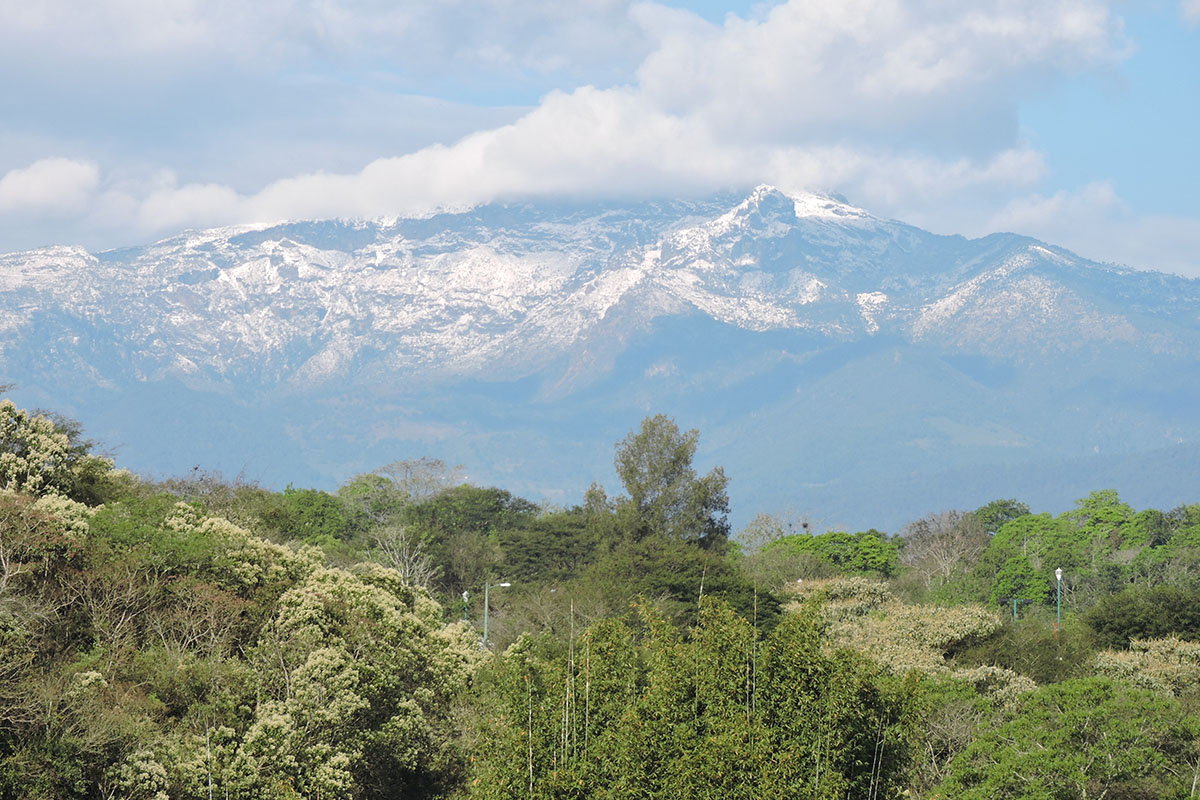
{"x":655,"y":467}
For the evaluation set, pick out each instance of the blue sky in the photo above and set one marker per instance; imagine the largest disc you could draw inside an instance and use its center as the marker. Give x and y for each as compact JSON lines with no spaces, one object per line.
{"x":1075,"y":121}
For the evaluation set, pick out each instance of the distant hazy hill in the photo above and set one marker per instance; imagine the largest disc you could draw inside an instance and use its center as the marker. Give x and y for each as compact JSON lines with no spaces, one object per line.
{"x":859,"y":370}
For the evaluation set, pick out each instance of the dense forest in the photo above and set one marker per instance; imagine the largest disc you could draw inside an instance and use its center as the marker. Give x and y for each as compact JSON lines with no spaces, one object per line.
{"x":412,"y":635}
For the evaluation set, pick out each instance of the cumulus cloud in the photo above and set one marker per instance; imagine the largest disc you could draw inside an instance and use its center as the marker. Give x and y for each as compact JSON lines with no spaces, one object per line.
{"x":52,"y":186}
{"x":811,"y":94}
{"x":1066,"y":209}
{"x":1094,"y":222}
{"x":872,"y":67}
{"x":908,"y":106}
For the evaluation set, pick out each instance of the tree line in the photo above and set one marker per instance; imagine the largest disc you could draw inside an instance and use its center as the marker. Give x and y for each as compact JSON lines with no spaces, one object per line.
{"x":198,"y":637}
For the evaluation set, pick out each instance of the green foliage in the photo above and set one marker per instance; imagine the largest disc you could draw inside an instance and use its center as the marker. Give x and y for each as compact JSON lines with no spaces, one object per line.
{"x":1018,"y":580}
{"x":1102,"y":546}
{"x":1102,"y":518}
{"x":551,"y":547}
{"x":39,"y":456}
{"x":460,"y":525}
{"x":471,"y":510}
{"x":640,"y":711}
{"x":996,"y":514}
{"x":676,"y":574}
{"x":1081,"y":738}
{"x":1039,"y":538}
{"x":867,"y":552}
{"x":384,"y":494}
{"x":141,"y":522}
{"x":158,"y":641}
{"x":1184,"y":526}
{"x":1145,"y":614}
{"x":313,"y":516}
{"x":375,"y":497}
{"x":655,"y":466}
{"x":147,"y":649}
{"x":1030,"y":647}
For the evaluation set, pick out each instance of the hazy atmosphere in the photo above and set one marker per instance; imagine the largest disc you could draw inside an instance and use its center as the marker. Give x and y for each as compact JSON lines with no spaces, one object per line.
{"x":494,"y":399}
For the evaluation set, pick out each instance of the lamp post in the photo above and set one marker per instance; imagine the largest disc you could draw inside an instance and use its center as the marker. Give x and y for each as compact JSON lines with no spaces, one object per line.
{"x":487,"y":586}
{"x":1014,"y":601}
{"x":1058,"y":601}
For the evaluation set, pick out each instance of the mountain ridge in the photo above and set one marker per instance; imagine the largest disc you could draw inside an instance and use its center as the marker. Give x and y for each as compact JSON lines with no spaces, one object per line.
{"x":567,"y":308}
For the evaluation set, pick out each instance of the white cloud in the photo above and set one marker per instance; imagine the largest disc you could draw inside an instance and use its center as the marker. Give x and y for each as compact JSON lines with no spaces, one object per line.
{"x":1094,"y":222}
{"x":872,"y":67}
{"x":1063,"y":210}
{"x":406,"y":37}
{"x":809,"y":95}
{"x":908,"y":107}
{"x":593,"y":142}
{"x":1190,"y":10}
{"x":53,"y":186}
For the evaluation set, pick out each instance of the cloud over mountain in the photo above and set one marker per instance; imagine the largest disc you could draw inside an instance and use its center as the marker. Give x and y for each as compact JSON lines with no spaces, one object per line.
{"x":910,"y":107}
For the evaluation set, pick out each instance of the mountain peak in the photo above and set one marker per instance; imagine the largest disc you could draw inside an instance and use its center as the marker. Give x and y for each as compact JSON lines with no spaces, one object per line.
{"x":794,"y":316}
{"x":772,"y":201}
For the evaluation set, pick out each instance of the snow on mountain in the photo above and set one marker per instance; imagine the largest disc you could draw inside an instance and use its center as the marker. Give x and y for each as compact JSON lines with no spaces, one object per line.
{"x":311,"y":302}
{"x":602,"y":304}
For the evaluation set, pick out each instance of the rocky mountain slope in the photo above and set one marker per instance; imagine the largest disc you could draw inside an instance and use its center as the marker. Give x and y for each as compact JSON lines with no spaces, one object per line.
{"x":857,"y":369}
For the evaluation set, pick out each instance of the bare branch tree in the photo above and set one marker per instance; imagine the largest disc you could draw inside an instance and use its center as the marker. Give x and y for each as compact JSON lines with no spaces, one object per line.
{"x":422,"y":478}
{"x":940,"y":545}
{"x":397,"y":547}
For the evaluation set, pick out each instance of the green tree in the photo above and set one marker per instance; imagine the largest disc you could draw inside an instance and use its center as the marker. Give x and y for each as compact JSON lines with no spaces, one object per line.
{"x":382,"y":496}
{"x":1031,"y":647}
{"x":1018,"y":580}
{"x":38,"y":456}
{"x":655,"y":466}
{"x":1090,"y":737}
{"x":997,"y":513}
{"x":866,"y":552}
{"x":313,"y":516}
{"x":1145,"y":614}
{"x":640,"y":710}
{"x":460,"y":527}
{"x":557,"y":546}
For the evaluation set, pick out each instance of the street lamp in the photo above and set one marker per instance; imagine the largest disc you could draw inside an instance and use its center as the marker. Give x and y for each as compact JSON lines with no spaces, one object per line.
{"x":1058,"y":601}
{"x":487,"y":586}
{"x":1014,"y":601}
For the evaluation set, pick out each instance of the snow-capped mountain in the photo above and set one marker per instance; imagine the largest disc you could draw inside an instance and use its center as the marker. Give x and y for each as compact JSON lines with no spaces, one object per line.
{"x":813,"y":344}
